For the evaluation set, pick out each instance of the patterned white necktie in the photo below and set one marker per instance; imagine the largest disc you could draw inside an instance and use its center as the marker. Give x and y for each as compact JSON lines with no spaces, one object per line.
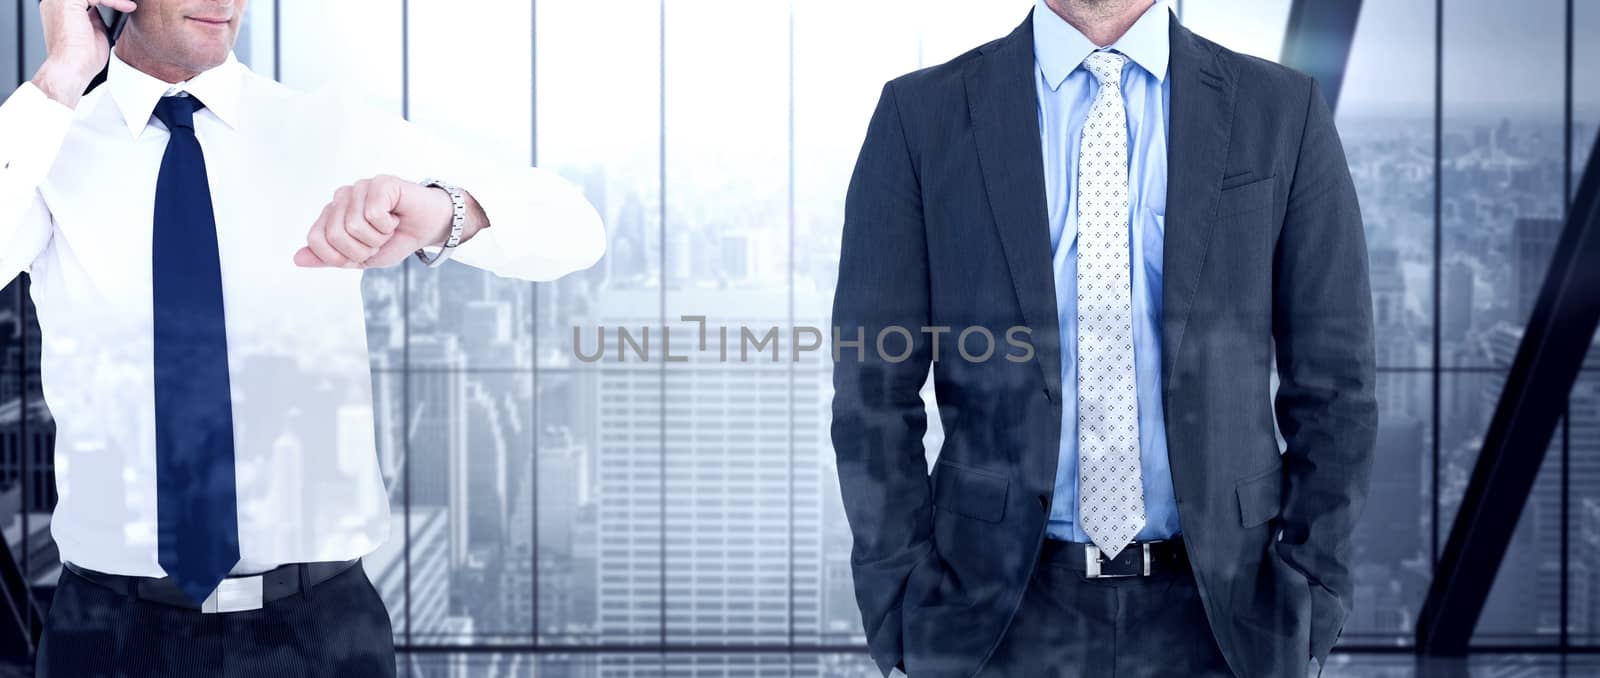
{"x":1111,"y":494}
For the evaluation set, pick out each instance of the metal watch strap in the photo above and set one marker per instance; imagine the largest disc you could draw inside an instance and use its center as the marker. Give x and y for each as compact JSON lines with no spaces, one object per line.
{"x":458,"y":219}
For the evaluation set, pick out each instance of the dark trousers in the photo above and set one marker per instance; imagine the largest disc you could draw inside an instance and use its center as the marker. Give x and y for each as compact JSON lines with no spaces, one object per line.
{"x":338,"y":628}
{"x":1132,"y":627}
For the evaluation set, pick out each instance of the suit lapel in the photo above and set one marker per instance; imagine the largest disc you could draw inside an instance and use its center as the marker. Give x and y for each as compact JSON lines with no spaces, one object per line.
{"x":1200,"y":113}
{"x":1004,"y":108}
{"x":1005,"y":117}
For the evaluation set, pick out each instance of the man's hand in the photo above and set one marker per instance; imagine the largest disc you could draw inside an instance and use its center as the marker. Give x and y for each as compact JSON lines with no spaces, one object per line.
{"x":75,"y":45}
{"x":380,"y":221}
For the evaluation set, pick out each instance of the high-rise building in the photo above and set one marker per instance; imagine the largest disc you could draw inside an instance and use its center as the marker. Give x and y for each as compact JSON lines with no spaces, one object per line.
{"x":1584,"y":597}
{"x":437,"y":418}
{"x":486,"y":465}
{"x":585,"y":580}
{"x":27,"y":452}
{"x":486,"y":329}
{"x":1533,"y":243}
{"x":516,"y":587}
{"x":1531,"y":568}
{"x":1583,"y":436}
{"x":517,"y":583}
{"x":1388,"y":297}
{"x":411,"y":573}
{"x":432,"y":582}
{"x":1393,"y":534}
{"x":1396,"y":344}
{"x":1393,"y":530}
{"x":626,"y":262}
{"x":1457,"y":312}
{"x":559,"y":475}
{"x":709,"y":473}
{"x":628,"y":490}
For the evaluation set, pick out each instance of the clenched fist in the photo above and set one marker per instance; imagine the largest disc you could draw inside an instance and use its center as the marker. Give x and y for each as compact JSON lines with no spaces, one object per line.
{"x":380,"y":221}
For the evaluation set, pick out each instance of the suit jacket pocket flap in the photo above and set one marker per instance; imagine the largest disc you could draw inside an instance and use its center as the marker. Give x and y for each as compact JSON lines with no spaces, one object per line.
{"x":1246,"y":197}
{"x":972,"y":492}
{"x":1259,"y":495}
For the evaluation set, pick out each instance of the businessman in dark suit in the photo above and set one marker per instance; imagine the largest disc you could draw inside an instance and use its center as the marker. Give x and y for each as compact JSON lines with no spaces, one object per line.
{"x":1152,"y":222}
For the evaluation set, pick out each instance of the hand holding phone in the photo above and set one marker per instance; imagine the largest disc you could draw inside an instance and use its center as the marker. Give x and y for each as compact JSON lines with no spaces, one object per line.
{"x":77,"y":45}
{"x":115,"y":21}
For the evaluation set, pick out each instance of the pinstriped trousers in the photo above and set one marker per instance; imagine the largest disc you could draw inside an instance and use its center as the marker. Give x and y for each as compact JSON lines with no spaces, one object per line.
{"x":339,"y":628}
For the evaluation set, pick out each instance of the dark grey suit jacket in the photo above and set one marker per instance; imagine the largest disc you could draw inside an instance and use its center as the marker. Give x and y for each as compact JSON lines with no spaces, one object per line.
{"x":945,"y":226}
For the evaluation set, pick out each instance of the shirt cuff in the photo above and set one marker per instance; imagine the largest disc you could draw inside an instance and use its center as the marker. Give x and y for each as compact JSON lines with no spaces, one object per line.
{"x":541,"y":227}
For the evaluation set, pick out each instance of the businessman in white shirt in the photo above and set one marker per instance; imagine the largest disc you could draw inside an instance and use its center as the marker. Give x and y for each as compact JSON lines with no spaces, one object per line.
{"x":181,"y":224}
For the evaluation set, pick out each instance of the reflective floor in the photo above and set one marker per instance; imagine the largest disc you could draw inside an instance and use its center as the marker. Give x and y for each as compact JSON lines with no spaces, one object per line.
{"x":809,"y":665}
{"x":858,"y":666}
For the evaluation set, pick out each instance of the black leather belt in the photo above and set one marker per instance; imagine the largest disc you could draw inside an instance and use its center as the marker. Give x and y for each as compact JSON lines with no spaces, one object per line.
{"x":236,"y":593}
{"x":1139,"y":559}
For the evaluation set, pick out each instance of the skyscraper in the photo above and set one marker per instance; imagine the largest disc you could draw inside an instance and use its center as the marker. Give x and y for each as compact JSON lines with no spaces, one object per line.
{"x":1584,"y":490}
{"x":709,"y":473}
{"x":1533,"y":243}
{"x":437,"y":420}
{"x":629,"y":490}
{"x":1457,"y":311}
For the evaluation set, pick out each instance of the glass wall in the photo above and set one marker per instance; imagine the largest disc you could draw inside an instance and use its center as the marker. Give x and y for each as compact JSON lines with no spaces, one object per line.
{"x":1385,"y":119}
{"x":1583,"y":432}
{"x":1503,"y":165}
{"x":598,"y":121}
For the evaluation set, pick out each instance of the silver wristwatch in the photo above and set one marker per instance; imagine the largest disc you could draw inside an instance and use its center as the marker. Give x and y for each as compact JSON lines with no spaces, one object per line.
{"x":458,"y":219}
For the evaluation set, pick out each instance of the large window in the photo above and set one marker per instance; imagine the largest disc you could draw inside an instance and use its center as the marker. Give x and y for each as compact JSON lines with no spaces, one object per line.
{"x":1583,"y":424}
{"x":1502,"y":170}
{"x":543,"y":501}
{"x":1385,"y":117}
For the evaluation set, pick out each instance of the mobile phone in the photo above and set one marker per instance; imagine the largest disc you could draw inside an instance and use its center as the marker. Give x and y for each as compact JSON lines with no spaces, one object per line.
{"x":115,"y":21}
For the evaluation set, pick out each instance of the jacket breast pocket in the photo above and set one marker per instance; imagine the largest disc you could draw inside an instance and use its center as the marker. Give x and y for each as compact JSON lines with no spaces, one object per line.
{"x":1245,"y":198}
{"x":1260,"y":494}
{"x":972,"y":492}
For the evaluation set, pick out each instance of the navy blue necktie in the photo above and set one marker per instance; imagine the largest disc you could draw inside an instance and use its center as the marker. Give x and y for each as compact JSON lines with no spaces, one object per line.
{"x":196,"y":508}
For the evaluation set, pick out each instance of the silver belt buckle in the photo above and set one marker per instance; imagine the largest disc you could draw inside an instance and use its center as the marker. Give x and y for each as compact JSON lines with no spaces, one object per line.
{"x":235,"y":594}
{"x":1091,"y":564}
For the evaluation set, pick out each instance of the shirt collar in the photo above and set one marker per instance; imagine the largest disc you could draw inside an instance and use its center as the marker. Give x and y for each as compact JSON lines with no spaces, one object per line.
{"x":137,"y":92}
{"x":1059,"y":48}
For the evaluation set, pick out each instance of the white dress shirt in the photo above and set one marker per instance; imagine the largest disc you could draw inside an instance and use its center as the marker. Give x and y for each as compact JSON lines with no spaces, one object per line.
{"x":77,"y":195}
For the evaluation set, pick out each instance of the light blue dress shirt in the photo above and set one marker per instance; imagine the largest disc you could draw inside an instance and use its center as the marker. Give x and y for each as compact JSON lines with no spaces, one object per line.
{"x":1065,"y":93}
